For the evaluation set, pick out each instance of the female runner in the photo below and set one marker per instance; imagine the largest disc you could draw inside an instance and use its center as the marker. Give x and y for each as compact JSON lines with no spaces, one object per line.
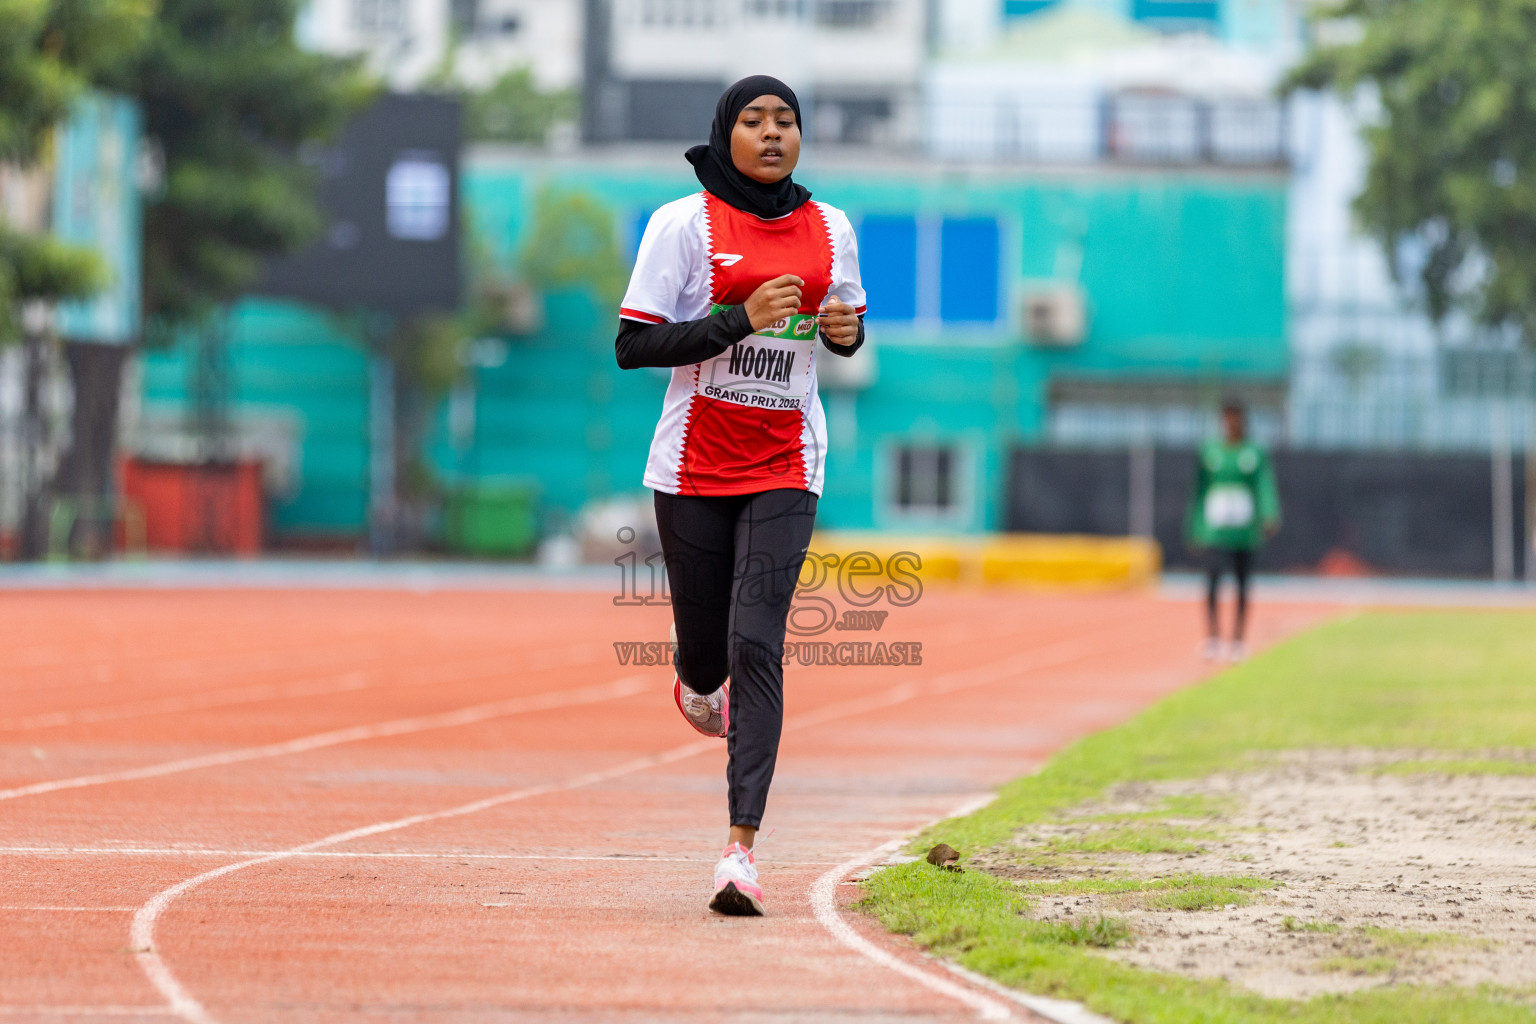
{"x":731,"y":289}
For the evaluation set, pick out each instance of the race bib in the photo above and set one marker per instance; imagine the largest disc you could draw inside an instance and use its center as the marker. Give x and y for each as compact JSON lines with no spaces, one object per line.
{"x":1229,"y":507}
{"x":767,"y":370}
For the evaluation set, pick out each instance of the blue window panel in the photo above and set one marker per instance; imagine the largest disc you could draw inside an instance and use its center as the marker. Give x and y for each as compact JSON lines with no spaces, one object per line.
{"x":641,"y":220}
{"x":888,"y":263}
{"x":1175,"y":10}
{"x":968,"y":269}
{"x":1021,"y":8}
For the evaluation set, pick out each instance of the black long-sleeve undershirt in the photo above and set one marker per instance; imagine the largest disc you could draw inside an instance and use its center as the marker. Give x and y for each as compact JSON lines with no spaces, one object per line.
{"x":693,"y":341}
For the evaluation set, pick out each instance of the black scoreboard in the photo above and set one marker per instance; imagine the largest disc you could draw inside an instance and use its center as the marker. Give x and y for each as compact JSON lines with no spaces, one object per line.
{"x":389,"y":190}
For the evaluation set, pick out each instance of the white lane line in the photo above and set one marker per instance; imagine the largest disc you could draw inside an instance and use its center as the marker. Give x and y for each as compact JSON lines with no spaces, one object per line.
{"x":198,"y":702}
{"x":141,"y":935}
{"x":560,"y":657}
{"x":1049,"y":656}
{"x":1037,"y":658}
{"x":824,"y":906}
{"x":576,"y":654}
{"x":172,"y":851}
{"x":182,"y":1003}
{"x":205,"y":668}
{"x":1058,"y":1011}
{"x":626,"y":687}
{"x":84,"y":1011}
{"x":77,"y":910}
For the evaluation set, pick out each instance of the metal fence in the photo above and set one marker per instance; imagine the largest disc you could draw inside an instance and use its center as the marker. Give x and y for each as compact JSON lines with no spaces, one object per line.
{"x":1348,"y":397}
{"x":1413,"y":513}
{"x":1419,"y":461}
{"x":1126,"y":128}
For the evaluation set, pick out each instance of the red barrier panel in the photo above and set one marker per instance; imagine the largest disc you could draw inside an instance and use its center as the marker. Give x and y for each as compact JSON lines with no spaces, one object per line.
{"x":211,"y":508}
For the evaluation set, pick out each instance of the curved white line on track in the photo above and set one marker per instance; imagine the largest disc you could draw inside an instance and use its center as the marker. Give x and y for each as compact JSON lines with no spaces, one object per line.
{"x":142,"y":932}
{"x":824,"y":905}
{"x":626,"y":687}
{"x":183,"y":1004}
{"x":1058,"y":1011}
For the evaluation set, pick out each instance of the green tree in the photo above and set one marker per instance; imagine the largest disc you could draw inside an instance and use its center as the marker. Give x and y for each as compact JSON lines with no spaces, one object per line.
{"x":573,"y":243}
{"x":50,"y":52}
{"x":231,"y":100}
{"x":514,"y":109}
{"x":1452,"y":144}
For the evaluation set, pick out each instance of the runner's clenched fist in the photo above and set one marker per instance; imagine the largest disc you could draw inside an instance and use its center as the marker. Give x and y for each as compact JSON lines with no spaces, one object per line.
{"x":839,"y":323}
{"x":774,"y":300}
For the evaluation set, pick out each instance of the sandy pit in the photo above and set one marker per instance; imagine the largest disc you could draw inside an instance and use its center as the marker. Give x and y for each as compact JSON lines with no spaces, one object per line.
{"x":1384,"y":878}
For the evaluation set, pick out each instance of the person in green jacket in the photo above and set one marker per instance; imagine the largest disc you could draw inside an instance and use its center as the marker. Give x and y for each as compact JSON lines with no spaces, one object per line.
{"x":1233,"y":508}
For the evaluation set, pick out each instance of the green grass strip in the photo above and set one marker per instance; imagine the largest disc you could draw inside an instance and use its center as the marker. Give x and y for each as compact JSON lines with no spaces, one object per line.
{"x":1443,"y":681}
{"x":1180,"y":892}
{"x":1447,"y":682}
{"x":981,"y":923}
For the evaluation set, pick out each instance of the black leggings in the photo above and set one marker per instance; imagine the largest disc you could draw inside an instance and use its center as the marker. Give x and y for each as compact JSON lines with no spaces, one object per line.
{"x":732,"y":566}
{"x":1242,"y":570}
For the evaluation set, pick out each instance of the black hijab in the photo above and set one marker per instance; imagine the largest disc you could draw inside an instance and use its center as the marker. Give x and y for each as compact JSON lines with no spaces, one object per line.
{"x":717,"y":171}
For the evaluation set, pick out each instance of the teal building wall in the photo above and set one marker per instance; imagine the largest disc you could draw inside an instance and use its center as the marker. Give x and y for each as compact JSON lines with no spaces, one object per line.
{"x":1258,"y":24}
{"x":302,"y":368}
{"x":1183,"y":272}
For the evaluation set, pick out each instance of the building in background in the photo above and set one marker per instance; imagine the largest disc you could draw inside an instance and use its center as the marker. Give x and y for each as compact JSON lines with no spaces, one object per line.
{"x":1010,"y":298}
{"x":1074,"y":84}
{"x":972,"y":350}
{"x":1083,"y":223}
{"x":408,"y":42}
{"x":654,"y":68}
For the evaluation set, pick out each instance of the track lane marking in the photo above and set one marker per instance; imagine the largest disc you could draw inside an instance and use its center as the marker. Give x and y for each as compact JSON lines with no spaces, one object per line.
{"x":824,"y":905}
{"x":85,"y":1011}
{"x":184,"y":1005}
{"x":141,"y":932}
{"x":959,"y":679}
{"x":171,"y":851}
{"x":341,"y":682}
{"x":823,"y":900}
{"x":572,"y":654}
{"x":474,"y":714}
{"x":74,"y":910}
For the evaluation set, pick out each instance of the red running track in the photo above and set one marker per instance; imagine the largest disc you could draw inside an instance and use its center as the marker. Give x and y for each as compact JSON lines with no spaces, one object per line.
{"x":385,"y":806}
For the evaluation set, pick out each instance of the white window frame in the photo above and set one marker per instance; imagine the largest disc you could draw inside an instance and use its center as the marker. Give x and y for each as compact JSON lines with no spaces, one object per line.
{"x":958,"y":514}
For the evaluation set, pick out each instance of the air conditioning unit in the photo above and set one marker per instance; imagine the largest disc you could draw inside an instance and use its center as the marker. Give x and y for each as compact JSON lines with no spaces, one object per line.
{"x":522,"y":308}
{"x":1055,"y":314}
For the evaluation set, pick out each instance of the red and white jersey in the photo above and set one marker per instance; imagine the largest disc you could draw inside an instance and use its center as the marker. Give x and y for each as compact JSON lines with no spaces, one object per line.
{"x":749,"y":419}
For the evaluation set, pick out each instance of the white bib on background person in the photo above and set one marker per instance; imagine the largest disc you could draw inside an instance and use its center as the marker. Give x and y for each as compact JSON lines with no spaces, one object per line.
{"x":1229,"y":507}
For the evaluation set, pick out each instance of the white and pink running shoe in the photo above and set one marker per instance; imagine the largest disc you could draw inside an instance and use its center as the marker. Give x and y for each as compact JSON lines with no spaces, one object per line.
{"x":710,"y":715}
{"x":737,"y":893}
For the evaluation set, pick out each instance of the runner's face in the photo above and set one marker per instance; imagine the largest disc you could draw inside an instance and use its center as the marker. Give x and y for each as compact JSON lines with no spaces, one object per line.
{"x":1235,"y":425}
{"x":765,"y":143}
